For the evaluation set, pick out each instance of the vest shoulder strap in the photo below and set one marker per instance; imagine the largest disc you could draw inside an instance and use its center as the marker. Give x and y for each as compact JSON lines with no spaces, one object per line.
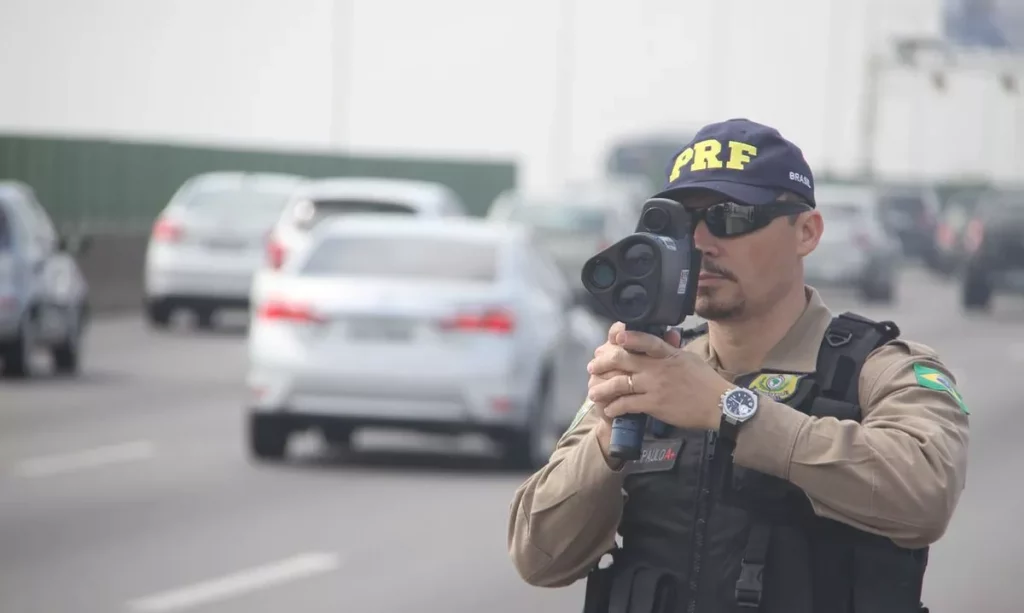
{"x":847,"y":342}
{"x":688,"y":334}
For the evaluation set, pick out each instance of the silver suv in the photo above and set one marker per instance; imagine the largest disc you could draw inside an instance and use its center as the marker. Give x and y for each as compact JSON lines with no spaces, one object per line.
{"x":43,"y":295}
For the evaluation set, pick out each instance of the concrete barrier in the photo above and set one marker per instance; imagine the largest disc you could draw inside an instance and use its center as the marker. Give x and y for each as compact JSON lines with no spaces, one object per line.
{"x":113,"y":265}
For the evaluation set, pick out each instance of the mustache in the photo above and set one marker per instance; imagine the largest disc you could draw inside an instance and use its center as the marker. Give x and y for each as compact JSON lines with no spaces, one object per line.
{"x":714,"y":269}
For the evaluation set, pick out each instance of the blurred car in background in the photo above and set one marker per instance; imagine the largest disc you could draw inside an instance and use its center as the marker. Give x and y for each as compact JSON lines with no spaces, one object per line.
{"x":326,"y":199}
{"x":632,"y":190}
{"x":323,"y":199}
{"x":445,"y":326}
{"x":855,"y":250}
{"x":44,"y":298}
{"x":209,"y":241}
{"x":994,"y":248}
{"x":646,"y":155}
{"x":911,"y":214}
{"x":950,"y":231}
{"x":572,"y":223}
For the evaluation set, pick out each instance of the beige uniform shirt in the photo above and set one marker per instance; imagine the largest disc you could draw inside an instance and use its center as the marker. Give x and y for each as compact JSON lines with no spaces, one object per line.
{"x":899,"y":473}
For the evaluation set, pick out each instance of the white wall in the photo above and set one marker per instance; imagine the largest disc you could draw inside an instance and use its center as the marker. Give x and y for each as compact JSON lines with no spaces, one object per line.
{"x":236,"y":71}
{"x":549,"y":82}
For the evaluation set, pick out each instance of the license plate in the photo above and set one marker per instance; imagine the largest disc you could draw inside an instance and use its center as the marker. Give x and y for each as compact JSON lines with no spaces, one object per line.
{"x":389,"y":330}
{"x":226,"y":244}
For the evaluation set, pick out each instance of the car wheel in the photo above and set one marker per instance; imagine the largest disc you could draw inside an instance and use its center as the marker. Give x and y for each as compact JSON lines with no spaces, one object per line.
{"x":16,"y":356}
{"x":268,"y":437}
{"x":338,"y":437}
{"x":531,"y":448}
{"x":204,"y":318}
{"x":878,"y":292}
{"x":158,"y":314}
{"x":66,"y":355}
{"x":977,"y":292}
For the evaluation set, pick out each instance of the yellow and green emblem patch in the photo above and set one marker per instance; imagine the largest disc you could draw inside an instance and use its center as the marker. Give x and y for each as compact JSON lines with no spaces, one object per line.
{"x":935,"y":380}
{"x":778,"y":387}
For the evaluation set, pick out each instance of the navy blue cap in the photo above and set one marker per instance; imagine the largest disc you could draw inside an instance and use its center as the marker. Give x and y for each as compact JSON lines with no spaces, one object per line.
{"x":746,"y":161}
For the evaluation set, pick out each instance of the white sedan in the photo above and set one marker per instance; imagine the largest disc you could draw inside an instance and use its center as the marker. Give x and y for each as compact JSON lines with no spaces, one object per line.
{"x":209,"y":241}
{"x":447,"y":326}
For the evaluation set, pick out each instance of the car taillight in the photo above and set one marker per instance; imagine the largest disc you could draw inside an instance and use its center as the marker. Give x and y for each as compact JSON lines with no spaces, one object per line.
{"x":973,"y":235}
{"x":281,"y":310}
{"x":496,"y":321}
{"x":275,"y":254}
{"x":944,"y":236}
{"x":166,"y":231}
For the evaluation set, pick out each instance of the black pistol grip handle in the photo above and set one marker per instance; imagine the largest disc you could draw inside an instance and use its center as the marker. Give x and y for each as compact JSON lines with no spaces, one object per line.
{"x":627,"y":436}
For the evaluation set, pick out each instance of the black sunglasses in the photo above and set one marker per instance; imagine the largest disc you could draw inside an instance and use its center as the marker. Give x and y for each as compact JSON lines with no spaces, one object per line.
{"x":732,"y":219}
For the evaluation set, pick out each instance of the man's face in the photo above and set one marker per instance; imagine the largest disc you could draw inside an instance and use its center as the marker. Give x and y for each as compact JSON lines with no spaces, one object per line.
{"x":746,"y":275}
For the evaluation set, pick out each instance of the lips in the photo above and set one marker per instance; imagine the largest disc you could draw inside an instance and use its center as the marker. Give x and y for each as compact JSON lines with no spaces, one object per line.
{"x":706,"y":276}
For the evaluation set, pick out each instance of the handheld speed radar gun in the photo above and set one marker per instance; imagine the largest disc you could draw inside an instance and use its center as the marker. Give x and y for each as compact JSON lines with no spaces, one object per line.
{"x":648,"y":281}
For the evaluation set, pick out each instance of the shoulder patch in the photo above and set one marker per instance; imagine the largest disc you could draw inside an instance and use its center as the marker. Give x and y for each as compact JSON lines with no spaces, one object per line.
{"x":580,"y":414}
{"x":935,"y":380}
{"x":777,"y":386}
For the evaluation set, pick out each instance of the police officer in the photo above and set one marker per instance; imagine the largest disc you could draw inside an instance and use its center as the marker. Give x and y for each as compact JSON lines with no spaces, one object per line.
{"x":811,"y":459}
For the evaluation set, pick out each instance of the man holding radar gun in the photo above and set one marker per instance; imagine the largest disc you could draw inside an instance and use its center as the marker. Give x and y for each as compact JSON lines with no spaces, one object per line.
{"x":776,"y":459}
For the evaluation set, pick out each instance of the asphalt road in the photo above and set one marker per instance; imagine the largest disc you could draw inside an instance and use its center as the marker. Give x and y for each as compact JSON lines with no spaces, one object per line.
{"x":129,"y":490}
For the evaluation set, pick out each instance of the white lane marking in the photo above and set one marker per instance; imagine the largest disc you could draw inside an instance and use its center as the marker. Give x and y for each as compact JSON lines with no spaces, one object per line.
{"x":236,"y":584}
{"x":80,"y":460}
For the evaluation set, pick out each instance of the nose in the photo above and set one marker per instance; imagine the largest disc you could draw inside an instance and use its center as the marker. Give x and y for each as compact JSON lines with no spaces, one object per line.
{"x":704,"y":240}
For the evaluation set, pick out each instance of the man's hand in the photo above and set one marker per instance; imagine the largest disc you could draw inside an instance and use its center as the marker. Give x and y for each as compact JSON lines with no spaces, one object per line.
{"x":669,"y":384}
{"x":604,"y":429}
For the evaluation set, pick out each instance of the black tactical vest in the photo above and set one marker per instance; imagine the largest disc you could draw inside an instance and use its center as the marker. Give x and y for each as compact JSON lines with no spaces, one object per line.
{"x":701,"y":535}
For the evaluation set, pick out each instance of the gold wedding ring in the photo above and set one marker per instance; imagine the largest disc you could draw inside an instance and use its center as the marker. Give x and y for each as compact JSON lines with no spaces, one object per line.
{"x":629,"y":380}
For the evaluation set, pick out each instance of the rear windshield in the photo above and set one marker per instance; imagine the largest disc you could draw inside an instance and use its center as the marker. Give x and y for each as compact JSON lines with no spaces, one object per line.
{"x":335,"y":207}
{"x":906,"y":204}
{"x":253,"y":203}
{"x":391,"y":257}
{"x":841,"y":212}
{"x":561,"y":218}
{"x":311,"y":213}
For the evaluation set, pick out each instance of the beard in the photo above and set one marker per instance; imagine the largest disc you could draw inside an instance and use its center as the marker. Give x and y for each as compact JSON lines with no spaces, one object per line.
{"x":712,"y":305}
{"x":714,"y":302}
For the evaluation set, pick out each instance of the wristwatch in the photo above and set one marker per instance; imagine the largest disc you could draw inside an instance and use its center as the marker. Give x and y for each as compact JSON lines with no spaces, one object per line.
{"x":738,"y":405}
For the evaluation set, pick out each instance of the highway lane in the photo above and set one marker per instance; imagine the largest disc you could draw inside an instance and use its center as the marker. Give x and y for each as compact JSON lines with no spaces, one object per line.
{"x":129,"y":489}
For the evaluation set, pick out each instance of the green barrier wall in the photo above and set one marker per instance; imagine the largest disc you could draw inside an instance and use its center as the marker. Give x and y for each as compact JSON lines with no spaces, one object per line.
{"x":101,"y":185}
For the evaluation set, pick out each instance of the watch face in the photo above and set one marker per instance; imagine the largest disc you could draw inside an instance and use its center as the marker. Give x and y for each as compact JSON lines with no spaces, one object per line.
{"x":741,"y":403}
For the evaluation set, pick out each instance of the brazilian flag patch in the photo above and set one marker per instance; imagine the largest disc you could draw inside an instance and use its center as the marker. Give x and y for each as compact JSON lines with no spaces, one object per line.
{"x":935,"y":380}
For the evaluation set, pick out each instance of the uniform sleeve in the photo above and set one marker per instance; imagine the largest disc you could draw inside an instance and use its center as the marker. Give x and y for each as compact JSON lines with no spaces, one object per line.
{"x":565,"y":516}
{"x":899,"y":473}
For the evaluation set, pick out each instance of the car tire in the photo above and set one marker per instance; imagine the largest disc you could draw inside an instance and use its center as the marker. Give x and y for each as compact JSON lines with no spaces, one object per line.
{"x":881,"y":293}
{"x":158,"y":314}
{"x":976,"y":292}
{"x":66,"y":355}
{"x":205,"y":318}
{"x":268,"y":437}
{"x":530,"y":449}
{"x":338,"y":437}
{"x":16,"y":355}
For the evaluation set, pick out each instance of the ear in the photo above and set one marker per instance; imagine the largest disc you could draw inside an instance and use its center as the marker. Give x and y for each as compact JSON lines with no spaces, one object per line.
{"x":809,"y":227}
